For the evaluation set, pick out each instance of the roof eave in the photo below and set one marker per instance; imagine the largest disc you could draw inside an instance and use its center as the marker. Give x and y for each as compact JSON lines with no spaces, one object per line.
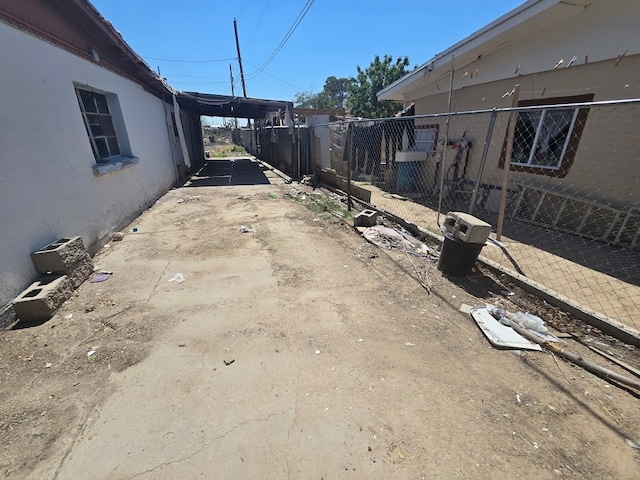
{"x":506,"y":22}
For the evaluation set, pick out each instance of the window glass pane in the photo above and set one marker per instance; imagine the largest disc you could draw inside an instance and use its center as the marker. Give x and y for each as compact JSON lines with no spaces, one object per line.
{"x":425,"y":139}
{"x":524,"y":135}
{"x":107,"y":125}
{"x":113,"y":145}
{"x":96,"y":131}
{"x":553,"y":135}
{"x":101,"y":100}
{"x":87,"y":101}
{"x":93,"y":119}
{"x":103,"y":150}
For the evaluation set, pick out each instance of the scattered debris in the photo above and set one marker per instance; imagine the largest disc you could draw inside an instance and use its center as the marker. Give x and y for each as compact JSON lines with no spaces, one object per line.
{"x":518,"y":397}
{"x":48,"y":365}
{"x":409,"y":344}
{"x":91,"y":353}
{"x":69,"y":316}
{"x":507,"y":293}
{"x":604,"y":373}
{"x":464,"y":308}
{"x":135,"y":229}
{"x":227,"y":363}
{"x":632,"y":444}
{"x":613,"y":359}
{"x":499,"y":335}
{"x":401,"y":455}
{"x":117,"y":237}
{"x":273,"y":195}
{"x":245,"y":229}
{"x":101,"y":276}
{"x":317,"y":352}
{"x":189,"y":198}
{"x":389,"y":238}
{"x":310,"y":180}
{"x":177,"y":278}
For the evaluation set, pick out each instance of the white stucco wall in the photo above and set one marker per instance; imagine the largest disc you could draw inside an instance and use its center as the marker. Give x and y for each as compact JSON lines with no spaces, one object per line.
{"x":48,"y":189}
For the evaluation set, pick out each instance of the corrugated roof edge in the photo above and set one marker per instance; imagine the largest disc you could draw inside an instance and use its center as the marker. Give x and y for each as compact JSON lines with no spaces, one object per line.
{"x":146,"y":75}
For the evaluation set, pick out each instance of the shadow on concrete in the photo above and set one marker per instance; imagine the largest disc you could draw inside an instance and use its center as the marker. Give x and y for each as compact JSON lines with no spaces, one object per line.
{"x":616,"y":261}
{"x":223,"y":172}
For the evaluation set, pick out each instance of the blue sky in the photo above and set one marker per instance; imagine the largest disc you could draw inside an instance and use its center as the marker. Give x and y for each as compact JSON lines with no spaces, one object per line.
{"x":332,"y":39}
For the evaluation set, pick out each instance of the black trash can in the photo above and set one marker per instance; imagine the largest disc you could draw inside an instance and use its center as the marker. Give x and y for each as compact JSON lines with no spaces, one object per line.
{"x":457,"y":257}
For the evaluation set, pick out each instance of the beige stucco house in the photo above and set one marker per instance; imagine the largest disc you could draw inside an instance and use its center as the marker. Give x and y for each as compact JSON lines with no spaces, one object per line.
{"x":559,"y":52}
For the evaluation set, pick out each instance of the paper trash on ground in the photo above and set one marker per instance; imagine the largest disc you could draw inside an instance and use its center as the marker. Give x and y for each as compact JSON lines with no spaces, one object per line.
{"x":389,"y":238}
{"x":499,"y":335}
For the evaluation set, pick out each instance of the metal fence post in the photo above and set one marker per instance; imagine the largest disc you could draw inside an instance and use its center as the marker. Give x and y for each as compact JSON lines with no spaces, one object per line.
{"x":513,"y":118}
{"x":483,"y":161}
{"x":349,"y":160}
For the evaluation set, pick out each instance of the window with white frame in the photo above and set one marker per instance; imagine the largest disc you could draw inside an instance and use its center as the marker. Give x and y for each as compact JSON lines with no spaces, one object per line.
{"x":426,"y":138}
{"x":98,"y":120}
{"x":545,"y":140}
{"x":541,"y":137}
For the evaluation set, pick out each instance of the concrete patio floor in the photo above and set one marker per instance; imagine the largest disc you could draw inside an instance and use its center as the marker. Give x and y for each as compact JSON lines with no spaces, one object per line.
{"x":287,"y":352}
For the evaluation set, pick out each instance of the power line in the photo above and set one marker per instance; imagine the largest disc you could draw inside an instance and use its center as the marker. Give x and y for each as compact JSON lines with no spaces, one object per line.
{"x":190,"y":61}
{"x":292,"y":29}
{"x":279,"y":79}
{"x":266,"y":4}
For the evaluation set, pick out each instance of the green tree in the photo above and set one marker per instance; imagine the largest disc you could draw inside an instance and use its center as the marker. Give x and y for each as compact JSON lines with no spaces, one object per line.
{"x":336,"y":90}
{"x":362,"y":100}
{"x":332,"y":95}
{"x":311,"y":100}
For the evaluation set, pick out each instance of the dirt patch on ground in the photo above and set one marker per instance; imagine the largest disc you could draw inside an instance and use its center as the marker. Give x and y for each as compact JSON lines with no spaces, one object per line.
{"x":344,"y":364}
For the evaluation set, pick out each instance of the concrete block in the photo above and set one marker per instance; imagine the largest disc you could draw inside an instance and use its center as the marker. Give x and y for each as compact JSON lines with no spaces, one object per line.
{"x":79,"y":272}
{"x":58,"y":256}
{"x":366,"y":218}
{"x":467,"y":228}
{"x":41,"y":300}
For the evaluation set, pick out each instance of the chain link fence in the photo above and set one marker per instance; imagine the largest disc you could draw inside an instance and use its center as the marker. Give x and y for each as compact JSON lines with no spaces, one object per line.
{"x":560,"y":185}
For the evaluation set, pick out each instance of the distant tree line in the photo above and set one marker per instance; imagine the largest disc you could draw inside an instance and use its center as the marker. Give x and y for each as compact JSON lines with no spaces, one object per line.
{"x":358,"y":94}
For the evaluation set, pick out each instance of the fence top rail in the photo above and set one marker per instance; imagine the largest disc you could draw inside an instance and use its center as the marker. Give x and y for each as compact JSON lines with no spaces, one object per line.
{"x":559,"y":106}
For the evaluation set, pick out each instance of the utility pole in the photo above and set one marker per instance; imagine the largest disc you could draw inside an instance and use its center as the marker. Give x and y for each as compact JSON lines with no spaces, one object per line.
{"x":244,"y":87}
{"x":233,"y":93}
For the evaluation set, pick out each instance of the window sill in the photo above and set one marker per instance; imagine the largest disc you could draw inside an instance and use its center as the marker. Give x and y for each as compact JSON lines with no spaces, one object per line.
{"x":114,"y":165}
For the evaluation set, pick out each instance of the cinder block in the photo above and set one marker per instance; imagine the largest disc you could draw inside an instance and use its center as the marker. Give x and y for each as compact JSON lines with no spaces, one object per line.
{"x":79,"y":272}
{"x":58,"y":256}
{"x":41,"y":300}
{"x":366,"y":218}
{"x":467,"y":228}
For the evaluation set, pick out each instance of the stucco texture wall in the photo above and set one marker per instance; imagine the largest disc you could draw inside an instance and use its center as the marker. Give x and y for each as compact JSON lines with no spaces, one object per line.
{"x":607,"y":162}
{"x":47,"y":186}
{"x":602,"y":44}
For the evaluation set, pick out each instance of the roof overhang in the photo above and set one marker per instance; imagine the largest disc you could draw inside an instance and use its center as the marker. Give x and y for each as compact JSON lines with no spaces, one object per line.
{"x":227,"y":106}
{"x":78,"y":27}
{"x":514,"y":25}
